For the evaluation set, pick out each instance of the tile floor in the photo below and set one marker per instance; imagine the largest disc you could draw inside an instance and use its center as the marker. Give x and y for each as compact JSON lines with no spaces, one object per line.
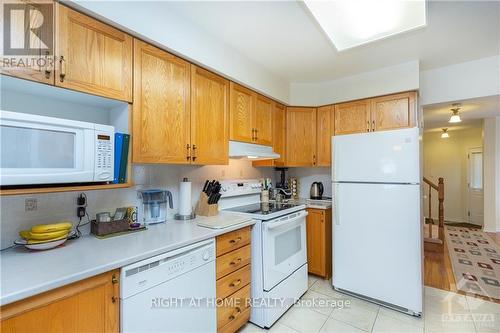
{"x":443,"y":312}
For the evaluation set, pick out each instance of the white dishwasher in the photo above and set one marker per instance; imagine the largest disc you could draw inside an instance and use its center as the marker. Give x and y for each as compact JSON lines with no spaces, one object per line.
{"x":171,"y":292}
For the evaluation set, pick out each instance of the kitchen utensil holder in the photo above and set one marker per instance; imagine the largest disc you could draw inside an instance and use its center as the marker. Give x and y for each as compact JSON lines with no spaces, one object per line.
{"x":205,"y":209}
{"x":106,"y":228}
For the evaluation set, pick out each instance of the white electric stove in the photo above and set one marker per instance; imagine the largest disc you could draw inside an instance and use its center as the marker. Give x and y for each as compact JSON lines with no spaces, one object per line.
{"x":279,"y":252}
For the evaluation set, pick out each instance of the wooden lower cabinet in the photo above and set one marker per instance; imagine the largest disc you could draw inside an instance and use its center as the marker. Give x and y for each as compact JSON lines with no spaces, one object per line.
{"x":233,"y":280}
{"x":319,"y":242}
{"x":90,"y":305}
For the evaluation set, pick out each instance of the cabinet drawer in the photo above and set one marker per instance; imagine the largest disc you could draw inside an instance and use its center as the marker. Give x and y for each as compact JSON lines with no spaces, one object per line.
{"x":234,"y":308}
{"x":232,"y":261}
{"x":233,"y":240}
{"x":233,"y":282}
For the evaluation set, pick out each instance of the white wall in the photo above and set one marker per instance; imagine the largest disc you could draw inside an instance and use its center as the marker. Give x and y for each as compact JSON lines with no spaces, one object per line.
{"x":447,"y":158}
{"x":163,"y":27}
{"x":402,"y":77}
{"x":492,"y":174}
{"x":461,"y":81}
{"x":306,"y":176}
{"x":62,"y":206}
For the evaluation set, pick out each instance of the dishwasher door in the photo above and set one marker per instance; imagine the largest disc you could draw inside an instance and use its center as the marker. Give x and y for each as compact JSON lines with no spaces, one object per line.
{"x":181,"y":298}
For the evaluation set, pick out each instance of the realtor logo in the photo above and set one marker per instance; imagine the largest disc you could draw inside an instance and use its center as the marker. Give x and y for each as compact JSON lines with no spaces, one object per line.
{"x":27,"y":29}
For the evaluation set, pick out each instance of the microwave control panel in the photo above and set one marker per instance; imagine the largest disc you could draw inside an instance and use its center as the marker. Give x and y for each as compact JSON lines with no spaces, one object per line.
{"x":104,"y":157}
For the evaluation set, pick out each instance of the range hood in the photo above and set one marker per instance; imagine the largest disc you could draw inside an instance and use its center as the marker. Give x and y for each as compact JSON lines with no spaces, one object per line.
{"x":250,"y":151}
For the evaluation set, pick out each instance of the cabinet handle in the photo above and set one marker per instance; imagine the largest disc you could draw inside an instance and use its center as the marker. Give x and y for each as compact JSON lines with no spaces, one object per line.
{"x":47,"y":65}
{"x":368,"y":126}
{"x":236,"y":262}
{"x":256,"y":135}
{"x":235,"y":313}
{"x":114,"y":299}
{"x":234,"y":241}
{"x":314,"y":159}
{"x":188,"y":148}
{"x":373,"y":125}
{"x":62,"y":64}
{"x":194,"y":153}
{"x":253,"y":134}
{"x":114,"y":279}
{"x":235,"y":283}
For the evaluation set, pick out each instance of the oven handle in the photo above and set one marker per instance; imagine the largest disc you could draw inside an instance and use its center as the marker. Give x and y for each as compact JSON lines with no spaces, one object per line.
{"x":301,"y":215}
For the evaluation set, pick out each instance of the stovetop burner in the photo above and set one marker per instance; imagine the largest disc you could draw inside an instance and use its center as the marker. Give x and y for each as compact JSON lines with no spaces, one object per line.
{"x":262,"y":208}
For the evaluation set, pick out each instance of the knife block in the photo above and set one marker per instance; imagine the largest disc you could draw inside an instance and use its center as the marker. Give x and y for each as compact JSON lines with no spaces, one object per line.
{"x":204,"y":209}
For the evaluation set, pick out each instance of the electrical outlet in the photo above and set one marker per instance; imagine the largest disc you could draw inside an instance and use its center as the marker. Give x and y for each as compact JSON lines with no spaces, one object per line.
{"x":30,"y":204}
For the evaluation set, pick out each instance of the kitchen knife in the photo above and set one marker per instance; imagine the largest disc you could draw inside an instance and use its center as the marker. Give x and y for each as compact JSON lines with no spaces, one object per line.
{"x":205,"y":186}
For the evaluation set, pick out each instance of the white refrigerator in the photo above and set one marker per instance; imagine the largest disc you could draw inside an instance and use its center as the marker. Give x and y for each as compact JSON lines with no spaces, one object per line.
{"x":377,"y":218}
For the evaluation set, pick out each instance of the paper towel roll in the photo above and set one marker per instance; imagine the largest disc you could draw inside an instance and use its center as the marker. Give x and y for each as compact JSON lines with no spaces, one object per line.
{"x":185,"y":198}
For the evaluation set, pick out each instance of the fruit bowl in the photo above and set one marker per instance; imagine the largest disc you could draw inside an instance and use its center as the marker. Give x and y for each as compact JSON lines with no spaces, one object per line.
{"x":39,"y":246}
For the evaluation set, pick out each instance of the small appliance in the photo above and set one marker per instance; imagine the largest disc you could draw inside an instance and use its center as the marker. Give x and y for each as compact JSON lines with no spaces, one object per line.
{"x":47,"y":150}
{"x":377,"y":203}
{"x":154,"y":205}
{"x":317,"y":190}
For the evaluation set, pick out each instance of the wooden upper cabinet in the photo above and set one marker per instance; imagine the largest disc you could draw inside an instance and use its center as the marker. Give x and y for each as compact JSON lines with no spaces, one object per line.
{"x":242,"y":110}
{"x":324,"y":132}
{"x":352,"y":117}
{"x":92,"y":56}
{"x":161,"y":111}
{"x":300,"y":136}
{"x":279,"y":137}
{"x":41,"y":70}
{"x":90,"y":305}
{"x":209,"y":117}
{"x":263,"y":121}
{"x":393,"y":111}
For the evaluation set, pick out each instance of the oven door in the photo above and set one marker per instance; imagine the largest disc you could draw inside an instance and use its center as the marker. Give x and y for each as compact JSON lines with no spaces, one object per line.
{"x":44,"y":150}
{"x":284,"y":247}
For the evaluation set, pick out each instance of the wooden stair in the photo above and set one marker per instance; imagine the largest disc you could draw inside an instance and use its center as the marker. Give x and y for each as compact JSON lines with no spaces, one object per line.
{"x":434,"y":233}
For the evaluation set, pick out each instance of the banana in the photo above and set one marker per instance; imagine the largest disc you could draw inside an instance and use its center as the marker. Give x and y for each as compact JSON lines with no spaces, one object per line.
{"x":44,"y":228}
{"x":47,"y":236}
{"x":25,"y":234}
{"x":32,"y":241}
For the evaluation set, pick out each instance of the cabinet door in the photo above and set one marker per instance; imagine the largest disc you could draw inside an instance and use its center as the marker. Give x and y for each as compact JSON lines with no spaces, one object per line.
{"x":279,"y":133}
{"x":40,"y":65}
{"x":393,"y":111}
{"x":300,"y":136}
{"x":315,"y":231}
{"x":90,"y":305}
{"x":352,"y":117}
{"x":242,"y":108}
{"x":209,"y":117}
{"x":263,"y":121}
{"x":161,"y":110}
{"x":324,"y":134}
{"x":92,"y":56}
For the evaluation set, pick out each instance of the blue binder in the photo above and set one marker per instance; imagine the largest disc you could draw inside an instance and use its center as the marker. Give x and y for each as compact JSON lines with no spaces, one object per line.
{"x":118,"y":156}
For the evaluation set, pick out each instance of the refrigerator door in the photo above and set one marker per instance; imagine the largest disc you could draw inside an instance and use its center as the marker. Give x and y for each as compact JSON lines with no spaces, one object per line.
{"x":377,"y":242}
{"x":382,"y":157}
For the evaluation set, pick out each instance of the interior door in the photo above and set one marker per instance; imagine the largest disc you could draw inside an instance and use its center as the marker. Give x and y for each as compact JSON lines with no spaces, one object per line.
{"x":209,"y":117}
{"x":92,"y":57}
{"x":241,"y":114}
{"x":393,"y":111}
{"x":352,"y":117}
{"x":161,"y":115}
{"x":300,"y":136}
{"x":377,"y":242}
{"x":263,"y":120}
{"x":284,"y":242}
{"x":475,"y":193}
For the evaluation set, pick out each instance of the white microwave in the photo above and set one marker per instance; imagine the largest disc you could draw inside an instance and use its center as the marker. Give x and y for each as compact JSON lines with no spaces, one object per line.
{"x":46,"y":150}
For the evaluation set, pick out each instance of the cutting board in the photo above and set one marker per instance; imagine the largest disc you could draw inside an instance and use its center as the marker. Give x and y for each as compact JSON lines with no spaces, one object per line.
{"x":223,"y":220}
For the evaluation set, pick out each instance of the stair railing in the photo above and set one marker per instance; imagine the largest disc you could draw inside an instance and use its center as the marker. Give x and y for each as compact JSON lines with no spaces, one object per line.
{"x":439,"y":187}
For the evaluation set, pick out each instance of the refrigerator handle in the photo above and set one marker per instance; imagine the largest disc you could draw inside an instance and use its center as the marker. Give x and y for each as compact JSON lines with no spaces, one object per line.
{"x":336,"y":214}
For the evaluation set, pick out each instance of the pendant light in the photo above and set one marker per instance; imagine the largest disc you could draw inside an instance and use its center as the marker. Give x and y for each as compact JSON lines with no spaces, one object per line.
{"x":445,"y":134}
{"x":455,"y":117}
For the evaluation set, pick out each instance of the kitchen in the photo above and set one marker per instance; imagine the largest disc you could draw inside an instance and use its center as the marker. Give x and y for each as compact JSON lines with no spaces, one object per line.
{"x":256,"y":172}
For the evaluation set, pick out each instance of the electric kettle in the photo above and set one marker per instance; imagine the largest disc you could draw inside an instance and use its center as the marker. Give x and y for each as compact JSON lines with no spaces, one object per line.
{"x":317,"y":190}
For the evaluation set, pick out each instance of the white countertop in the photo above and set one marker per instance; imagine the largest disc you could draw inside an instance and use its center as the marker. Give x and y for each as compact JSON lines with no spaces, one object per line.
{"x":26,"y":273}
{"x":315,"y":204}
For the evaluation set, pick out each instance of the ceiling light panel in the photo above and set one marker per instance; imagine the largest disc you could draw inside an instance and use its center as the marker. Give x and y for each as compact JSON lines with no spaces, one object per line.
{"x":350,"y":23}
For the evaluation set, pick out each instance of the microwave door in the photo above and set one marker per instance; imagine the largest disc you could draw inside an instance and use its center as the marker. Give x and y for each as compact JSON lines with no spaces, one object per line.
{"x":39,"y":153}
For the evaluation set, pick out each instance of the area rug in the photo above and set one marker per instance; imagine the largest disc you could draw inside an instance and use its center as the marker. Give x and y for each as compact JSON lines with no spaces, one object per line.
{"x":475,"y":260}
